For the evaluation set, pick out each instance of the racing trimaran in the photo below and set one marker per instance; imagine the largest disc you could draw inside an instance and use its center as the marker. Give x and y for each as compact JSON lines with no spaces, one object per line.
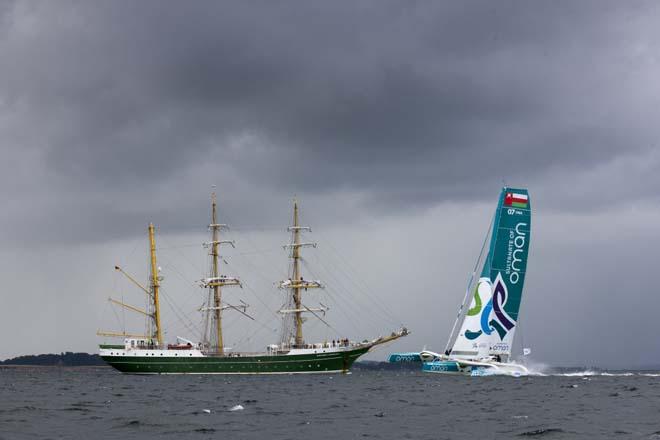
{"x":481,"y":339}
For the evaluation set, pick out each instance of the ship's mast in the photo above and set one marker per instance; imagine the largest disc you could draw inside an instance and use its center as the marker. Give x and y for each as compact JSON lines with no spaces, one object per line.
{"x":296,"y":283}
{"x":296,"y":276}
{"x":216,"y":281}
{"x":155,"y":286}
{"x":154,"y":329}
{"x":217,"y":293}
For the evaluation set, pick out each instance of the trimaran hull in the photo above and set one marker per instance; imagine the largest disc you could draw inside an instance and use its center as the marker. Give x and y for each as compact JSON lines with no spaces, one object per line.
{"x":474,"y":368}
{"x":334,"y":362}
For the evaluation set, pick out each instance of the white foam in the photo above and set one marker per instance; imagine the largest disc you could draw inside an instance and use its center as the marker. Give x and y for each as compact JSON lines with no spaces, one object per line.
{"x":578,"y":373}
{"x":536,"y":368}
{"x":236,"y":408}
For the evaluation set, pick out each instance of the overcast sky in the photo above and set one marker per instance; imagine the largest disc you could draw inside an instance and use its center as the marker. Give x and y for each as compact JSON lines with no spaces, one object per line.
{"x":394,"y":123}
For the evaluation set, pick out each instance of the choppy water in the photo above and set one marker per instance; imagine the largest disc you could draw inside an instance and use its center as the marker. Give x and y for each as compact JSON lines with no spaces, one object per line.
{"x":98,"y":403}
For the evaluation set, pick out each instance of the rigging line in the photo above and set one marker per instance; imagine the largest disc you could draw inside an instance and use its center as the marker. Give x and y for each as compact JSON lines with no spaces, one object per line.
{"x":188,"y":317}
{"x":122,"y":322}
{"x":258,"y":252}
{"x":349,"y":266}
{"x":254,"y":292}
{"x":250,"y":242}
{"x":108,"y":304}
{"x":268,"y":307}
{"x":364,"y":288}
{"x":168,"y":248}
{"x":320,"y":319}
{"x":353,"y":317}
{"x":256,"y":270}
{"x":191,"y":293}
{"x":335,"y":300}
{"x":177,"y":313}
{"x":262,"y":326}
{"x":256,"y":228}
{"x":341,"y":286}
{"x":331,"y":276}
{"x":366,"y":291}
{"x":470,"y":288}
{"x":167,"y":263}
{"x":339,"y":304}
{"x":186,"y":259}
{"x":248,"y":286}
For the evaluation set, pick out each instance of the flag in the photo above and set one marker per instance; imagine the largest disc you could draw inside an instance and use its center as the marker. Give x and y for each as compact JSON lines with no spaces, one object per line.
{"x":516,"y":200}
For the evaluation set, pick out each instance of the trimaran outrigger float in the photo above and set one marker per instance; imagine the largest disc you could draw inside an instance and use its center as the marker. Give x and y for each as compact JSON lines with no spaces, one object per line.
{"x":481,"y":340}
{"x":149,"y":354}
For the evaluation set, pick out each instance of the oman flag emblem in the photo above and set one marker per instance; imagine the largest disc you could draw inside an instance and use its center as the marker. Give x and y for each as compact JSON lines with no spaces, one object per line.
{"x":516,"y":200}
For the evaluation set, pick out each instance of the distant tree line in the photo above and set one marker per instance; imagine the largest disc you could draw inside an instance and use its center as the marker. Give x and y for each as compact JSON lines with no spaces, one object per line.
{"x":67,"y":359}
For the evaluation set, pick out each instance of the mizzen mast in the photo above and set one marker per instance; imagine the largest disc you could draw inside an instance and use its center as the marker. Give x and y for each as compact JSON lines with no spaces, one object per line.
{"x":155,"y":330}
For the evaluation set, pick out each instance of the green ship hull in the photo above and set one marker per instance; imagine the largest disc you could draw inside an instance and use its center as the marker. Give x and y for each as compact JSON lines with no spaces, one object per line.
{"x":260,"y":364}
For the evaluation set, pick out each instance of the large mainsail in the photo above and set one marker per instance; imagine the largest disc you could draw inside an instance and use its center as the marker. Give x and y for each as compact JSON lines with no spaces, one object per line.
{"x":489,"y":316}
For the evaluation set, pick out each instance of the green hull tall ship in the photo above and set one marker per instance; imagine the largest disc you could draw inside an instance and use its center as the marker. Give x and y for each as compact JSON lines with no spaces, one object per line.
{"x":150,"y":354}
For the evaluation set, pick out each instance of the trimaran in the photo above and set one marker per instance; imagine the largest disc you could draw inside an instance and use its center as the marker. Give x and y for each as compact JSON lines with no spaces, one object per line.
{"x":150,"y":354}
{"x":481,"y":340}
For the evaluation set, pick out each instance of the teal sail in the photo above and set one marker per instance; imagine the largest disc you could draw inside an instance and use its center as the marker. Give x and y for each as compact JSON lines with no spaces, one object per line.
{"x":489,"y":317}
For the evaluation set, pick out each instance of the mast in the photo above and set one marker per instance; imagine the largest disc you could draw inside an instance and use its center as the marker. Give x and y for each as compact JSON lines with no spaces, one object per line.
{"x":217,"y":293}
{"x":296,"y":276}
{"x":216,"y":281}
{"x":297,"y":283}
{"x":155,"y":330}
{"x":155,"y":286}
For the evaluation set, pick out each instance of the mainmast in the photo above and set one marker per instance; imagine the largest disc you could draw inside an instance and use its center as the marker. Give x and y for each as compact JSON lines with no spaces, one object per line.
{"x":216,"y":281}
{"x":296,"y":283}
{"x":217,"y":293}
{"x":155,"y":286}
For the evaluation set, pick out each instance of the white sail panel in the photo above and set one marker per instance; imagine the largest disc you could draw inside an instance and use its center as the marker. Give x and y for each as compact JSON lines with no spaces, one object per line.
{"x":471,"y":342}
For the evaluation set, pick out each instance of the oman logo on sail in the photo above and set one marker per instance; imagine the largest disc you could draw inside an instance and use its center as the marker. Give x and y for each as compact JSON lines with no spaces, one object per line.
{"x":501,"y":322}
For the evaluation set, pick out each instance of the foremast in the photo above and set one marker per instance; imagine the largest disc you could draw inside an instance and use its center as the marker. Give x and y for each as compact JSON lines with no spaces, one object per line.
{"x":297,"y":283}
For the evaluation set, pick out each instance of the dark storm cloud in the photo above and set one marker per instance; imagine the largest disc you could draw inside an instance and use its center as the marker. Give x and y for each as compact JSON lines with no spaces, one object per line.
{"x":107,"y":105}
{"x":394,"y":123}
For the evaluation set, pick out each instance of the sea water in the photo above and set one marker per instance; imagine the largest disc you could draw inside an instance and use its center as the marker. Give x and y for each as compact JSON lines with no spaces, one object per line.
{"x":99,"y":403}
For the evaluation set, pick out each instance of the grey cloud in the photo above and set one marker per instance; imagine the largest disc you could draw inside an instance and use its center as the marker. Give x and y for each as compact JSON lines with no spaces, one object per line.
{"x":407,"y":116}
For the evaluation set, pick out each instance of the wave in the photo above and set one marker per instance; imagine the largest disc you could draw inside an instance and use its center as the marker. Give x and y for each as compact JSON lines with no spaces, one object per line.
{"x":592,"y":373}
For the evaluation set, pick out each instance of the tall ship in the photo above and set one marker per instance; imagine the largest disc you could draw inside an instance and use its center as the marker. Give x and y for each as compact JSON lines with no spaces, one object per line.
{"x":151,"y":354}
{"x":481,"y":339}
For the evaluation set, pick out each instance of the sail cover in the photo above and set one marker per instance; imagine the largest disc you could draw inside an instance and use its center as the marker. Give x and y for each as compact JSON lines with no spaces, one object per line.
{"x":488,"y":324}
